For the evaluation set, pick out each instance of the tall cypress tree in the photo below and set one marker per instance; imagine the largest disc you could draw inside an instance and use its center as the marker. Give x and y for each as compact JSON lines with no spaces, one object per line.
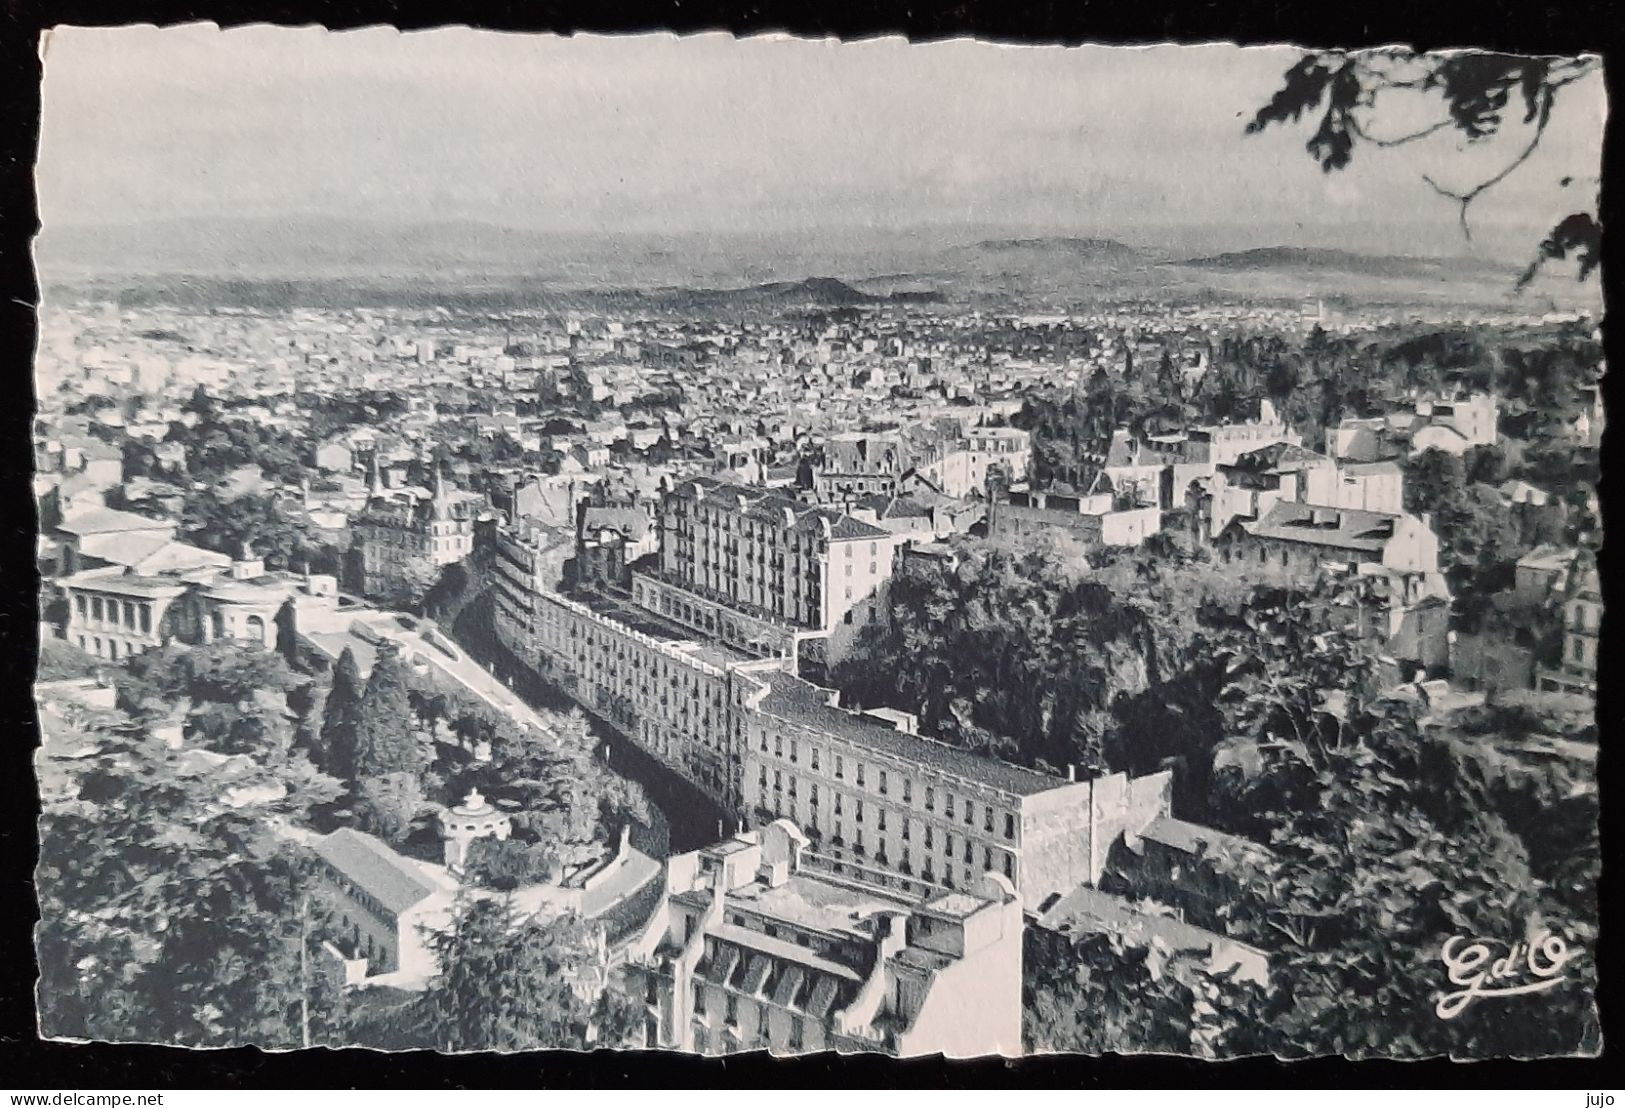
{"x":384,"y":740}
{"x":335,"y":749}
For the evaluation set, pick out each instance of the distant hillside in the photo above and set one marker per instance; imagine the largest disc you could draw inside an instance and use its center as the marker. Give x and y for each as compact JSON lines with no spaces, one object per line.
{"x":1088,"y":249}
{"x":497,"y":297}
{"x":821,"y":291}
{"x":271,"y":265}
{"x":1302,"y":259}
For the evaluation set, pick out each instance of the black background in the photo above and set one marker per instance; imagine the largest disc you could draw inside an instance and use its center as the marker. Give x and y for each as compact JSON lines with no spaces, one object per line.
{"x":27,"y":1064}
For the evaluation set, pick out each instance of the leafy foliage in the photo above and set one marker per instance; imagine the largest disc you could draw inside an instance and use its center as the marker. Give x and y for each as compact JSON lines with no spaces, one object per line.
{"x":280,"y":534}
{"x":336,"y":747}
{"x":169,"y":910}
{"x":1472,"y":92}
{"x":514,"y":983}
{"x":1382,"y":845}
{"x":1109,"y":993}
{"x":384,"y":739}
{"x":1027,"y":653}
{"x":60,"y":660}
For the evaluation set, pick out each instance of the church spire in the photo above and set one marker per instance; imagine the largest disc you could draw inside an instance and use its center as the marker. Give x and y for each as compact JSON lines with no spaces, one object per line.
{"x":442,"y":500}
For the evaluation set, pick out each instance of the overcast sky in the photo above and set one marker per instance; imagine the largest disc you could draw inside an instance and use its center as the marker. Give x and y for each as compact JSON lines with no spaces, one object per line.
{"x":656,"y":133}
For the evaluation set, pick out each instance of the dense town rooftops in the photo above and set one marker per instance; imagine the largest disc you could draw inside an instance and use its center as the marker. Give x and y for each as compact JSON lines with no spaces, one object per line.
{"x":799,"y":702}
{"x":374,"y":868}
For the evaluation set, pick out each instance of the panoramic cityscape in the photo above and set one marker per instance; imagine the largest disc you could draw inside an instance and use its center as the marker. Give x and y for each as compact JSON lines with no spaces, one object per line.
{"x":727,"y":545}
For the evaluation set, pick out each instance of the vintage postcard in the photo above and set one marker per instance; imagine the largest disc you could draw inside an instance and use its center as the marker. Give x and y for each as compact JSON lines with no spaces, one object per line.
{"x":731,"y":545}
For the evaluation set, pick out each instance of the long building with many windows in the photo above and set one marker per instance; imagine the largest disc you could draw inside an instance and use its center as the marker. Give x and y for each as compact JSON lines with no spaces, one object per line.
{"x":882,"y":802}
{"x":879,"y":802}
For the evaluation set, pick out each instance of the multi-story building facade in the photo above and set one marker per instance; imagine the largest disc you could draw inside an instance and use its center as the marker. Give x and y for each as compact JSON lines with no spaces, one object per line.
{"x":670,"y":695}
{"x":1576,"y":670}
{"x":401,"y":533}
{"x":752,"y":949}
{"x":777,"y":572}
{"x":952,"y":460}
{"x":878,"y":800}
{"x":961,"y":468}
{"x":1454,"y":426}
{"x":882,"y":803}
{"x":113,"y":614}
{"x":1249,"y":486}
{"x":1222,"y":443}
{"x":858,"y":463}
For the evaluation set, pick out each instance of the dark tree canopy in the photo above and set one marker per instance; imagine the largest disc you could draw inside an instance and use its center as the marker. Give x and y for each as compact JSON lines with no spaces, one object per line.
{"x":1473,"y":94}
{"x":385,"y":742}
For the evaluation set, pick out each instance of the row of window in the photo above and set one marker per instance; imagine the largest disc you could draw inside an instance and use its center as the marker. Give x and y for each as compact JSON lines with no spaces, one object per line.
{"x":135,"y":613}
{"x":928,"y":863}
{"x":790,"y":750}
{"x":92,"y":644}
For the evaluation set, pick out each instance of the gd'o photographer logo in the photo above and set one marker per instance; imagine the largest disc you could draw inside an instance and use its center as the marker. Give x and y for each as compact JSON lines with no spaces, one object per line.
{"x":1484,"y":968}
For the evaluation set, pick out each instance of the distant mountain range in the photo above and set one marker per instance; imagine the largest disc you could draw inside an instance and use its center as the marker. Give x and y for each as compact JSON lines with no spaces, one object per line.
{"x":316,"y":262}
{"x":1081,"y":248}
{"x":1300,"y":258}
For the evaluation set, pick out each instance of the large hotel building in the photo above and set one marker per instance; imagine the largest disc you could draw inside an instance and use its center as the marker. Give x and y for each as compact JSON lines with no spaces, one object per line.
{"x":765,"y":573}
{"x":878,"y":802}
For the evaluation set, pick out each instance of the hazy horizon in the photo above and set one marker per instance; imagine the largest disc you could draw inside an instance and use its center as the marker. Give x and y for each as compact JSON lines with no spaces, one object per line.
{"x":714,"y":137}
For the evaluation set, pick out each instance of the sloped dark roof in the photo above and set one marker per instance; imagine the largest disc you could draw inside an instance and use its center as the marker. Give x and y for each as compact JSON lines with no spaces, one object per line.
{"x":1344,"y":528}
{"x":374,"y":867}
{"x":1277,"y":456}
{"x":801,"y":702}
{"x":769,"y":506}
{"x":631,"y":522}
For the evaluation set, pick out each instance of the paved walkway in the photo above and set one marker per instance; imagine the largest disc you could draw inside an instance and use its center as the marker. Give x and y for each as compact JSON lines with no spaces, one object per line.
{"x":457,"y":665}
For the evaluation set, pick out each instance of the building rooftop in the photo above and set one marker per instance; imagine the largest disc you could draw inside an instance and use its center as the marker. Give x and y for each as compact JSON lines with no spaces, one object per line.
{"x":1089,"y":909}
{"x":645,"y":622}
{"x":770,"y":506}
{"x":957,"y":904}
{"x":1549,"y":558}
{"x":800,"y":702}
{"x":126,"y":584}
{"x":1347,"y":528}
{"x":1192,"y":838}
{"x":374,"y":868}
{"x":101,"y":521}
{"x":815,"y":903}
{"x":1278,"y":457}
{"x":1367,"y":469}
